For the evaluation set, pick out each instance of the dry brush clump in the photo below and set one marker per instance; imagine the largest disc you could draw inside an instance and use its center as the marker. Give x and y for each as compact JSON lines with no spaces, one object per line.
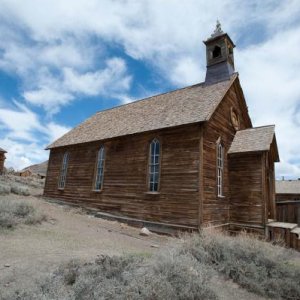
{"x":166,"y":276}
{"x":15,"y":212}
{"x":255,"y":265}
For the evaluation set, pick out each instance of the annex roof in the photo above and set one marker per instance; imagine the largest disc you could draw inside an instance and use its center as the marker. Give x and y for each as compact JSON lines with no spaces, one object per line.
{"x":253,"y":140}
{"x":183,"y":106}
{"x":287,"y":187}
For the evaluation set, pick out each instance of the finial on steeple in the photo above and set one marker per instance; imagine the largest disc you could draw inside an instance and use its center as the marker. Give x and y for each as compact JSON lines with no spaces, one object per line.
{"x":218,"y":30}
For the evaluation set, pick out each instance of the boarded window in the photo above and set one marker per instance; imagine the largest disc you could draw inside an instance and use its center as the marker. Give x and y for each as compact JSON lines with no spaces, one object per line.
{"x":63,"y":171}
{"x":100,"y":169}
{"x":220,"y":167}
{"x":154,"y":165}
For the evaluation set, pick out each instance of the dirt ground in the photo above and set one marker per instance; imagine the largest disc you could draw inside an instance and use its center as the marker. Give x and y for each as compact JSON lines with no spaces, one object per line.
{"x":33,"y":251}
{"x":28,"y":252}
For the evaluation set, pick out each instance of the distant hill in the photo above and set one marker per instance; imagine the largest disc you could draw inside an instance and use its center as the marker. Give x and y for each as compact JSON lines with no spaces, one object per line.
{"x":40,"y":169}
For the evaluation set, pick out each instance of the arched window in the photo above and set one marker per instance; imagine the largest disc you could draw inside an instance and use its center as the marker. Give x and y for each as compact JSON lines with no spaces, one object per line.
{"x":154,"y":165}
{"x":100,"y":169}
{"x":63,"y":171}
{"x":220,"y":168}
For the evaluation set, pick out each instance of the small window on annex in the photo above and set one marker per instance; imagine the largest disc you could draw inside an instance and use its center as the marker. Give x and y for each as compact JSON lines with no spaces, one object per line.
{"x":154,"y":165}
{"x":220,"y":168}
{"x":63,"y":171}
{"x":98,"y":185}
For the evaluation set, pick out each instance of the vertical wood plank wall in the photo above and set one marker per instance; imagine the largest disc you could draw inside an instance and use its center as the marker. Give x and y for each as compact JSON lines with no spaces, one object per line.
{"x":125,"y":178}
{"x":2,"y":159}
{"x":247,"y":205}
{"x":216,"y":209}
{"x":288,"y":208}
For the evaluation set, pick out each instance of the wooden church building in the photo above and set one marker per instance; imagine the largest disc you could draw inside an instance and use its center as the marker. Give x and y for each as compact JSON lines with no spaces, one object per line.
{"x":186,"y":158}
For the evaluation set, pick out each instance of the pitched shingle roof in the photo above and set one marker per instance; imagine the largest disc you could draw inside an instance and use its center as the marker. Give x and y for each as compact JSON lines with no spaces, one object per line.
{"x":288,"y":187}
{"x":184,"y":106}
{"x":253,"y":139}
{"x":2,"y":150}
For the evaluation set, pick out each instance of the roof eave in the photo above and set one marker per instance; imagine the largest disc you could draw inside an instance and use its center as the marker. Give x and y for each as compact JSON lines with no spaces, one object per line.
{"x":121,"y":136}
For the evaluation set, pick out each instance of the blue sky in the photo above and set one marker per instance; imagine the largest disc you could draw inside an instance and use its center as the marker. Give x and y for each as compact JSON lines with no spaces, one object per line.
{"x":63,"y":60}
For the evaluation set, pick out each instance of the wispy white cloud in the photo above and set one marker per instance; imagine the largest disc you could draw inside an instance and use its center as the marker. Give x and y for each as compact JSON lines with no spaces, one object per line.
{"x":20,"y":123}
{"x":110,"y":80}
{"x":24,"y":136}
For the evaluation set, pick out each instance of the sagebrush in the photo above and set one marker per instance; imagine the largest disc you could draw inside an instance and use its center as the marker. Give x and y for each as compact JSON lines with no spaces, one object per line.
{"x":258,"y":266}
{"x":14,"y":212}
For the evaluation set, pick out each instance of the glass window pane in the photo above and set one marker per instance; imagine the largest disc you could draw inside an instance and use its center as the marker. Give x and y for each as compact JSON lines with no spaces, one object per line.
{"x":157,"y":148}
{"x":100,"y":169}
{"x":154,"y":165}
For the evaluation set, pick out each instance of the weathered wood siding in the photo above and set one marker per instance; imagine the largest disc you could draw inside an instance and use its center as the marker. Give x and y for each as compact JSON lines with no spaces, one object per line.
{"x":125,"y":178}
{"x":216,"y":209}
{"x":247,"y":203}
{"x":287,"y":197}
{"x":2,"y":159}
{"x":288,"y":208}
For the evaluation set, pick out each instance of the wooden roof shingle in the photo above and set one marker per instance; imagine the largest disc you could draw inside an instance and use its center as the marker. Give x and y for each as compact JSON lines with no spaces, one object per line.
{"x":288,"y":187}
{"x":253,"y":139}
{"x":183,"y":106}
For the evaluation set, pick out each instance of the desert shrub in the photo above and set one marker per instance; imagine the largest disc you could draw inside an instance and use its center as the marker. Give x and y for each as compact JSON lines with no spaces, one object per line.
{"x":256,"y":265}
{"x":169,"y":276}
{"x":23,"y":209}
{"x":20,"y":190}
{"x":13,"y":213}
{"x":4,"y":189}
{"x":6,"y":220}
{"x":35,"y":218}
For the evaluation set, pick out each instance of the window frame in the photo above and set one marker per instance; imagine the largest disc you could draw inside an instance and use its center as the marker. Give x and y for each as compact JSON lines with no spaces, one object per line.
{"x":63,"y":171}
{"x":220,"y":154}
{"x":96,"y":174}
{"x":149,"y":165}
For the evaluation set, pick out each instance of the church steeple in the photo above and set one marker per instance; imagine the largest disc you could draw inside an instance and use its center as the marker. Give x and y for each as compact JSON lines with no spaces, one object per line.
{"x":219,"y":56}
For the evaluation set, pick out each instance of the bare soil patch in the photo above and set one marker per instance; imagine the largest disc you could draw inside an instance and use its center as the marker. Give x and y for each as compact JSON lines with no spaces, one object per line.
{"x":28,"y":252}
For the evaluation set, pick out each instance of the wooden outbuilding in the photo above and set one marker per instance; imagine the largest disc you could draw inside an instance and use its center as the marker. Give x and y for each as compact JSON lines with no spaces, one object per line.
{"x":37,"y":170}
{"x":2,"y":159}
{"x":288,"y":201}
{"x":186,"y":158}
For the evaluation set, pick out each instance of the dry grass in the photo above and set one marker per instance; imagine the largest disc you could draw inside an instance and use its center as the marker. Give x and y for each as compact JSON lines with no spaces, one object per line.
{"x":19,"y":185}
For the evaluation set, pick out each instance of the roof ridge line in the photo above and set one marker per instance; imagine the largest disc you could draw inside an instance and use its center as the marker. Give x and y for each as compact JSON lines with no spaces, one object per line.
{"x":148,"y":98}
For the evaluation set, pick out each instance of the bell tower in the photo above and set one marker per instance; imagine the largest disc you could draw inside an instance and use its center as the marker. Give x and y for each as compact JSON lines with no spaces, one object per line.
{"x":219,"y":56}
